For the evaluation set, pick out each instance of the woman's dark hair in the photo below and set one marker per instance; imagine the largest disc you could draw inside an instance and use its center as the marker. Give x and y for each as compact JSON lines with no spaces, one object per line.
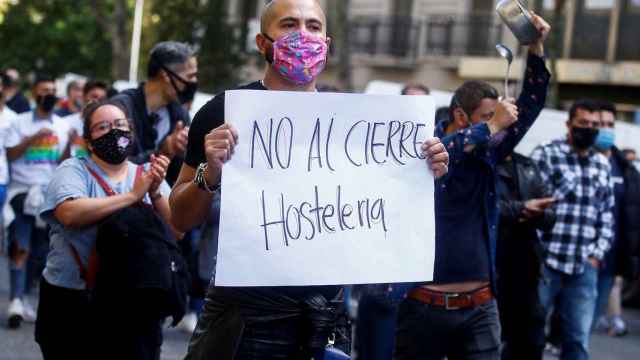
{"x":91,"y":108}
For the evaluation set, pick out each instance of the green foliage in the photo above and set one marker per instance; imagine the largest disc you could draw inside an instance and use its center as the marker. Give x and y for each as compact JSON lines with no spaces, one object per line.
{"x":203,"y":24}
{"x":59,"y":36}
{"x":54,"y":36}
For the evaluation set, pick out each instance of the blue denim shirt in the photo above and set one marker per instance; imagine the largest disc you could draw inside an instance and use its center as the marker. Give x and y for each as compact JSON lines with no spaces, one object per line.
{"x":470,"y":185}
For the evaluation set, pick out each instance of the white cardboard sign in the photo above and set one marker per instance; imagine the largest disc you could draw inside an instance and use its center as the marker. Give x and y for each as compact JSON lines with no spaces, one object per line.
{"x":326,"y":189}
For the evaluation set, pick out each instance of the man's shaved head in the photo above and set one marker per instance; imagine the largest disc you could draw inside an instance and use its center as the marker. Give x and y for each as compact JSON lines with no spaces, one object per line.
{"x":274,"y":10}
{"x":280,"y":18}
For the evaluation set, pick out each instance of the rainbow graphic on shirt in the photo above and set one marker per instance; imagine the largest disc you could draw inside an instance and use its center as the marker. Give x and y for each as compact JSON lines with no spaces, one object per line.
{"x":44,"y":151}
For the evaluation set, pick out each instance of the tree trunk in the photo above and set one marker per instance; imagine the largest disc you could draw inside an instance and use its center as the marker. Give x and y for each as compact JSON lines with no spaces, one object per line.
{"x":121,"y":41}
{"x":344,"y":45}
{"x":116,"y":26}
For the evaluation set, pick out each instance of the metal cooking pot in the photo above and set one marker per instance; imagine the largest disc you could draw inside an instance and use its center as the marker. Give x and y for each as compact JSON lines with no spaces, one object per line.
{"x":519,"y":20}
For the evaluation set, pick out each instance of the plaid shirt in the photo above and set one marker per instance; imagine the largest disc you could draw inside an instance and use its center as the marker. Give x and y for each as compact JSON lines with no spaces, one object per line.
{"x":584,"y":207}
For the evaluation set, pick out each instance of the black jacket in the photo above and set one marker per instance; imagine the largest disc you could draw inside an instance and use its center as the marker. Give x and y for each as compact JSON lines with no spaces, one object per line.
{"x":135,"y":103}
{"x":519,"y":251}
{"x":627,"y":245}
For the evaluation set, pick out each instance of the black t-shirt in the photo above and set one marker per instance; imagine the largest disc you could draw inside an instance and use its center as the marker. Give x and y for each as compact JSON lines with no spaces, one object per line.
{"x":209,"y":117}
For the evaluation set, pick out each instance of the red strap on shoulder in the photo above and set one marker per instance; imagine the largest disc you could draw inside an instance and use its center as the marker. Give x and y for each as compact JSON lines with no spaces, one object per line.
{"x":87,"y":273}
{"x":103,"y":184}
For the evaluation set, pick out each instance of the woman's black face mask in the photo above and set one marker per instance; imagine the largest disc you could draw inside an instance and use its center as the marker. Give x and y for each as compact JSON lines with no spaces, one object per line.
{"x":113,"y":147}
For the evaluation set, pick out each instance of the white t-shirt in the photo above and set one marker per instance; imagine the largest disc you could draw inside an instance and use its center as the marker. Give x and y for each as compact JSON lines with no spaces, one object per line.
{"x":6,"y":118}
{"x":78,"y":145}
{"x":36,"y":165}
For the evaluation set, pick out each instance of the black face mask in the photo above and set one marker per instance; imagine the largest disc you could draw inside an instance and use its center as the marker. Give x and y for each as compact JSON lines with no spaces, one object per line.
{"x":583,"y":138}
{"x":114,"y":146}
{"x":46,"y":103}
{"x":188,"y":93}
{"x":190,"y":88}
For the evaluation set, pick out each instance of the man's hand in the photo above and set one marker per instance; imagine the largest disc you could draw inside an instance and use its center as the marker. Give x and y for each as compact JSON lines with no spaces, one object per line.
{"x":176,"y":143}
{"x":594,"y":262}
{"x":73,"y":134}
{"x":535,"y":207}
{"x":218,"y":147}
{"x":505,"y":115}
{"x":544,"y":28}
{"x":437,"y":157}
{"x":42,"y":133}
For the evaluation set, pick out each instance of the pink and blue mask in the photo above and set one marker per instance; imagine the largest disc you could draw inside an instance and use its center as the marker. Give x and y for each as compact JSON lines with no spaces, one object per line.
{"x":298,"y":56}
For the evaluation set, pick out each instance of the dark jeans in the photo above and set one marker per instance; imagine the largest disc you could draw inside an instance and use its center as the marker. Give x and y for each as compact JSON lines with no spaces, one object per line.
{"x":70,"y":327}
{"x":63,"y":326}
{"x":430,"y":332}
{"x":127,"y":327}
{"x":521,"y":316}
{"x":375,"y":327}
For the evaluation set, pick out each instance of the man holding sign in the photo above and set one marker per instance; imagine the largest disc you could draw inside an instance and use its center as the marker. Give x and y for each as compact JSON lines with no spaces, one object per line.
{"x":456,"y":315}
{"x":278,"y":322}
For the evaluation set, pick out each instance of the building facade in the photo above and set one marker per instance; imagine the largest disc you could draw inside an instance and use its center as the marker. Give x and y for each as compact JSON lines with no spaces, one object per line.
{"x":442,"y":43}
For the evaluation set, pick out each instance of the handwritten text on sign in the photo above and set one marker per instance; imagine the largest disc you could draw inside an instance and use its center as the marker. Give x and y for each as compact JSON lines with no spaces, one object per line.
{"x":326,"y":189}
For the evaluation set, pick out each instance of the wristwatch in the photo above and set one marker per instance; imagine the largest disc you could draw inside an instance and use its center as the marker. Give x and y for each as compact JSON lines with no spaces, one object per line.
{"x":201,"y":181}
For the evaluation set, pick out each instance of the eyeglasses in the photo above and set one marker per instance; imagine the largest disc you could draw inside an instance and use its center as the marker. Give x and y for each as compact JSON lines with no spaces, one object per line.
{"x":106,"y":126}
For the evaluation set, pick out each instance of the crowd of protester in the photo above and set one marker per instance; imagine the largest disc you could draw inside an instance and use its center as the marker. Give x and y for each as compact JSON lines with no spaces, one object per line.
{"x":100,"y":190}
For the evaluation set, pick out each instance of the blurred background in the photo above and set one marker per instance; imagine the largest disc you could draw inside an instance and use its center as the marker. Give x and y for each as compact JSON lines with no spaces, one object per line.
{"x":378,"y":46}
{"x":593,"y":51}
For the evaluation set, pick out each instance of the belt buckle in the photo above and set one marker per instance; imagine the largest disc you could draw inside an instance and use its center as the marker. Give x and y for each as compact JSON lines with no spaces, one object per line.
{"x":446,"y":301}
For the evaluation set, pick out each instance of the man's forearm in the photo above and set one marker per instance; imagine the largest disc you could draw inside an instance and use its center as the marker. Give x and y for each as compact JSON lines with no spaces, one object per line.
{"x":537,"y":49}
{"x":66,"y":153}
{"x":17,"y":151}
{"x":161,"y":205}
{"x":189,"y":206}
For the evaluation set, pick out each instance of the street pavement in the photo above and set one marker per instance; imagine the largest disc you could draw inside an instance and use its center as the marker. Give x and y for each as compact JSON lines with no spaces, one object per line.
{"x":19,"y":344}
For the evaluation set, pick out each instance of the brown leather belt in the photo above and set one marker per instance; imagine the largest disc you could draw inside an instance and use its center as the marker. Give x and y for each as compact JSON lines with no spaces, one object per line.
{"x":452,"y":301}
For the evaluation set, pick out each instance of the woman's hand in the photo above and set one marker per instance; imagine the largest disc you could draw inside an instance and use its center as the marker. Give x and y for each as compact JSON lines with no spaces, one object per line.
{"x":158,"y":171}
{"x":142,"y":185}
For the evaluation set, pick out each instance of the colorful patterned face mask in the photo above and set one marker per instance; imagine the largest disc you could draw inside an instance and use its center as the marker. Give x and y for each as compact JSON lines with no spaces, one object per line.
{"x":299,"y":57}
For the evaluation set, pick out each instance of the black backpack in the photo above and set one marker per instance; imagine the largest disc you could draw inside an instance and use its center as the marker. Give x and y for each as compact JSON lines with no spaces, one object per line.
{"x":136,"y":262}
